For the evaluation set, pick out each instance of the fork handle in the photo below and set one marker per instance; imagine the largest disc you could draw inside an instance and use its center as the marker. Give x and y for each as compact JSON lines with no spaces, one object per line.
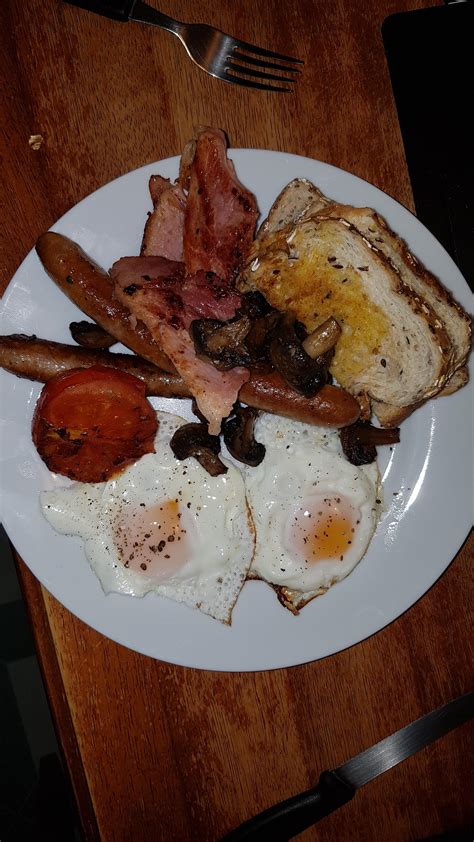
{"x":116,"y":9}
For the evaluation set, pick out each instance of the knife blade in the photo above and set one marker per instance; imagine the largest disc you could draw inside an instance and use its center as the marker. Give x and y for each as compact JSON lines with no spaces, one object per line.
{"x":286,"y":819}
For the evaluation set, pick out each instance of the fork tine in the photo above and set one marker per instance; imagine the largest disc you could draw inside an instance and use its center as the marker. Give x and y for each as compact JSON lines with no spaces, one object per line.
{"x":246,"y":83}
{"x":259,"y":51}
{"x":259,"y":63}
{"x":249,"y":71}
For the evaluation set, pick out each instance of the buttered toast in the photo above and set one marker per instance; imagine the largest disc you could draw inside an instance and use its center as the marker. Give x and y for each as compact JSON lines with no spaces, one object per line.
{"x":404,"y":339}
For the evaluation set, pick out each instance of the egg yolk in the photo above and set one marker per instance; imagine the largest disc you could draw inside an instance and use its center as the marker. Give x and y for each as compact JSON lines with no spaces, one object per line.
{"x":152,"y":540}
{"x":321,"y":529}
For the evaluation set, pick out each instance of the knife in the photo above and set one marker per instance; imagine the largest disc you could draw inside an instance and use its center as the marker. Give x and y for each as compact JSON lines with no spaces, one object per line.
{"x":335,"y":788}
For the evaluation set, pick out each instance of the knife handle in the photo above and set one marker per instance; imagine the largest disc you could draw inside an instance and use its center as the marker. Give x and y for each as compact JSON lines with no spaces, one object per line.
{"x":290,"y":817}
{"x":115,"y":9}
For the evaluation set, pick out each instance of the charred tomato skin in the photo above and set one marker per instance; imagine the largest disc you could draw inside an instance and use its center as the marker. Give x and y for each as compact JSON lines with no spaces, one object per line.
{"x":89,"y":424}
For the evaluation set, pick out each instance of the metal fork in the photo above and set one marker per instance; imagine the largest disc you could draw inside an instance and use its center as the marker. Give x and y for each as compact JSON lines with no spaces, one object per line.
{"x":218,"y":54}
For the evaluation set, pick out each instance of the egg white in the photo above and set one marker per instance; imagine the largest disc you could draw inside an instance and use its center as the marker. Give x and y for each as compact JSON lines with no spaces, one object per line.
{"x":305,"y":474}
{"x":214,"y":528}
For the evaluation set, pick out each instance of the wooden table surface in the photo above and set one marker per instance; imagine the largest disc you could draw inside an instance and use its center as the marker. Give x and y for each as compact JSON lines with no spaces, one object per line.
{"x":155,"y":751}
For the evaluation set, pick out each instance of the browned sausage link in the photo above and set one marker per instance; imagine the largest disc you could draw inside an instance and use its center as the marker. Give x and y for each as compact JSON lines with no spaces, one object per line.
{"x":92,"y":290}
{"x":38,"y":359}
{"x":330,"y":407}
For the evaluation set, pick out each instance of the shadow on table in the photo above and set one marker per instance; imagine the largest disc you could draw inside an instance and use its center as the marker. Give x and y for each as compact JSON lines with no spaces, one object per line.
{"x":35,"y":800}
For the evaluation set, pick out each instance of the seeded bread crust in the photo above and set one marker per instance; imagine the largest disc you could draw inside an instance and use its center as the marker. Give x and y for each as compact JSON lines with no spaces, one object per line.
{"x":457,"y":381}
{"x":300,"y":198}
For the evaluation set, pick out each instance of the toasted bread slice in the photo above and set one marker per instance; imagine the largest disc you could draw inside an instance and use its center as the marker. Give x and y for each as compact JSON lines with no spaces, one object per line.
{"x":299,"y":198}
{"x":393,"y":347}
{"x":456,"y":322}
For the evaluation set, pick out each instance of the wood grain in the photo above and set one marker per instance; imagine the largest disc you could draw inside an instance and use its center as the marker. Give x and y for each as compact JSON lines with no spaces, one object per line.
{"x":161,"y":752}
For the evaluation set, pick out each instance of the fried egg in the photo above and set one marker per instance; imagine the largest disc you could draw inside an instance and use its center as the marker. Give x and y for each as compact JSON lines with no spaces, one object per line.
{"x":314,"y":512}
{"x":162,"y":525}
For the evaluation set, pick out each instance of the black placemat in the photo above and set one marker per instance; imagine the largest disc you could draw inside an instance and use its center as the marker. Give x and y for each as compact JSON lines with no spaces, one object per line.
{"x":430,"y":53}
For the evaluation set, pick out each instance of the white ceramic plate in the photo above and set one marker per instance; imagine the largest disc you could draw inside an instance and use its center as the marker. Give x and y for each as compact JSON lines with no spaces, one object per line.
{"x":427,"y":478}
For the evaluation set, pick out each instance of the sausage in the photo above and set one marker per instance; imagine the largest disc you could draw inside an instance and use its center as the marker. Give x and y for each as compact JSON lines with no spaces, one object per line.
{"x":92,"y":290}
{"x":38,"y":359}
{"x":330,"y":407}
